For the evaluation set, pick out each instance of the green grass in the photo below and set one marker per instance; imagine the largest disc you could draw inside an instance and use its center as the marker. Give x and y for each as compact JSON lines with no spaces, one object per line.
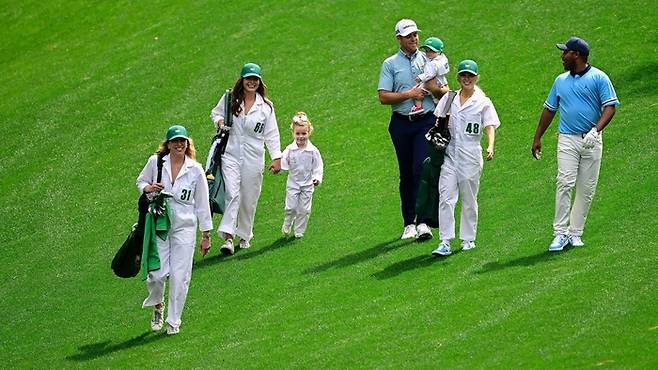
{"x":88,"y":89}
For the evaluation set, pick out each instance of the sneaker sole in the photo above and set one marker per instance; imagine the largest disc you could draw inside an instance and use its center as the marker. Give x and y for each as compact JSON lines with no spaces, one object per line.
{"x":423,"y":237}
{"x":437,"y":254}
{"x":225,"y":251}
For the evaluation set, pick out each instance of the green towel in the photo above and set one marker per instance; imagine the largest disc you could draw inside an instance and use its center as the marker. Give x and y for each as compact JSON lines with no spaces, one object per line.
{"x":158,"y":222}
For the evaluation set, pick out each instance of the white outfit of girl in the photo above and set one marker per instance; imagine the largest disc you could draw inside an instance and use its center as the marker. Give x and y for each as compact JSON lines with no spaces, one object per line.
{"x":303,"y":166}
{"x":243,"y":163}
{"x":462,"y":166}
{"x":189,"y":206}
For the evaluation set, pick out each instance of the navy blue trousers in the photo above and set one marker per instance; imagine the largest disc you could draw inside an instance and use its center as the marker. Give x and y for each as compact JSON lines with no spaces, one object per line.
{"x":411,"y":149}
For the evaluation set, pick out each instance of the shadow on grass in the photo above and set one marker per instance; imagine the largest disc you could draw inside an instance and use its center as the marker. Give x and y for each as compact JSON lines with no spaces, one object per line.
{"x":417,"y":262}
{"x":640,"y":81}
{"x":544,"y":256}
{"x":243,"y":254}
{"x":96,"y":350}
{"x":354,"y":258}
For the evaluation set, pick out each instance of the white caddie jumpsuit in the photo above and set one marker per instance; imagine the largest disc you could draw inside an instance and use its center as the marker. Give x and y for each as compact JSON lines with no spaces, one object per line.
{"x":243,"y":163}
{"x":189,"y":206}
{"x":462,"y":166}
{"x":303,"y":166}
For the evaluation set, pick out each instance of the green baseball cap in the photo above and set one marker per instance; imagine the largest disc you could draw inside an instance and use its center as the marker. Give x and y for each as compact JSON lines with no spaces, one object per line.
{"x":175,"y":132}
{"x":433,"y":43}
{"x":250,"y":69}
{"x":467,"y":66}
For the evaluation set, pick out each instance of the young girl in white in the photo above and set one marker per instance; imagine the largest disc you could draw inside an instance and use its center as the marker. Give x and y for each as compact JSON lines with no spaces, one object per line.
{"x":303,"y":162}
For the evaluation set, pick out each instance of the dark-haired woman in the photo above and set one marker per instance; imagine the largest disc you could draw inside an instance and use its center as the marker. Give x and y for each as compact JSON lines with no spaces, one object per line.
{"x":243,"y":162}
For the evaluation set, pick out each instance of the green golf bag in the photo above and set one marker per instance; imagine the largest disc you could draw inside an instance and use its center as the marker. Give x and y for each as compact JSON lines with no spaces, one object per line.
{"x":438,"y":137}
{"x":214,"y":175}
{"x":127,"y":261}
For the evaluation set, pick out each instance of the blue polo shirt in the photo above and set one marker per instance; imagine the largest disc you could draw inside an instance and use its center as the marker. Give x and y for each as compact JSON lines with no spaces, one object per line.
{"x":399,"y":74}
{"x":580,"y":98}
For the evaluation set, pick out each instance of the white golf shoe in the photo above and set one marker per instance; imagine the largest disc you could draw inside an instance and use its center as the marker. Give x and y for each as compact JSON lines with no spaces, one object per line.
{"x":576,"y":241}
{"x":467,"y":245}
{"x":443,"y":249}
{"x":157,"y":320}
{"x":559,"y":242}
{"x":244,"y":244}
{"x":285,"y":230}
{"x":424,"y":232}
{"x":227,"y":248}
{"x":409,"y":232}
{"x":171,"y":330}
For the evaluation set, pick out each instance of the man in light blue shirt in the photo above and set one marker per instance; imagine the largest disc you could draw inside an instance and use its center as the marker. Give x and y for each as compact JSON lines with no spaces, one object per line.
{"x":398,"y":88}
{"x":587,"y":101}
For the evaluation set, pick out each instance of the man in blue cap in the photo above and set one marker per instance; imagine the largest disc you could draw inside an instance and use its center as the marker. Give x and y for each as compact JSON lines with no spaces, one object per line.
{"x":587,"y":101}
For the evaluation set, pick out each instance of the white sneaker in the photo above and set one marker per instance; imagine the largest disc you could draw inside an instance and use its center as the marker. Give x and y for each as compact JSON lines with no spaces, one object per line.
{"x":467,"y":245}
{"x":299,"y":236}
{"x":157,"y":320}
{"x":227,"y":248}
{"x":576,"y":241}
{"x":443,"y":249}
{"x":285,"y":230}
{"x":172,"y":330}
{"x":424,"y":232}
{"x":244,"y":244}
{"x":559,"y":242}
{"x":409,"y":232}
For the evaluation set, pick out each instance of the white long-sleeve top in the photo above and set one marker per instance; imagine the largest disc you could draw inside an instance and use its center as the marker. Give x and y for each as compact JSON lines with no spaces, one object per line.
{"x":467,"y":123}
{"x":250,"y":132}
{"x":303,"y":165}
{"x":190,"y":205}
{"x":437,"y":67}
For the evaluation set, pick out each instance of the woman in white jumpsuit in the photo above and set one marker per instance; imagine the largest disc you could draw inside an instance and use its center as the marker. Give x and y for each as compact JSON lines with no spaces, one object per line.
{"x":185,"y":179}
{"x":471,"y":113}
{"x":254,"y":127}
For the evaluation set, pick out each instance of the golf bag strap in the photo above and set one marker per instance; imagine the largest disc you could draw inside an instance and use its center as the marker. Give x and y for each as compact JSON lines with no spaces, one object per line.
{"x":160,"y":162}
{"x":450,"y":99}
{"x":228,"y":115}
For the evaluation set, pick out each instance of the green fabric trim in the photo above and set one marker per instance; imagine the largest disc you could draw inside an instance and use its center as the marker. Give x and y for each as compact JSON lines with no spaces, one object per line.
{"x":158,"y":223}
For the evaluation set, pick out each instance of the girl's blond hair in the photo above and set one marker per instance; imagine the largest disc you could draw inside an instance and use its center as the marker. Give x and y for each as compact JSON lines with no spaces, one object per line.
{"x":300,"y":119}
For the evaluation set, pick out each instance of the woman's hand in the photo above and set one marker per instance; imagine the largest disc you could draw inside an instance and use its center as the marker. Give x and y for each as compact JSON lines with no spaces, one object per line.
{"x":220,"y":124}
{"x":156,"y":186}
{"x":275,"y":167}
{"x":490,"y":153}
{"x":204,"y":246}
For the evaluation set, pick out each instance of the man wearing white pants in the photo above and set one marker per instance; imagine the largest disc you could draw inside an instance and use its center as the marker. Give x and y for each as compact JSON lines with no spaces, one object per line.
{"x":587,"y":102}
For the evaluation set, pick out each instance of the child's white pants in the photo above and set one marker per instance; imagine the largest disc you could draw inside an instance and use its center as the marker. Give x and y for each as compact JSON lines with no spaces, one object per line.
{"x":298,"y":209}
